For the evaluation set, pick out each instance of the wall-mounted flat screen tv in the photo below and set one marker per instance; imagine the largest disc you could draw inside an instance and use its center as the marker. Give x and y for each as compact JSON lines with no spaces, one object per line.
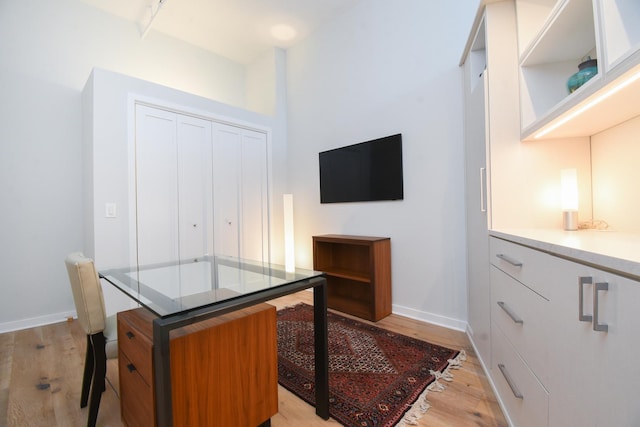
{"x":367,"y":171}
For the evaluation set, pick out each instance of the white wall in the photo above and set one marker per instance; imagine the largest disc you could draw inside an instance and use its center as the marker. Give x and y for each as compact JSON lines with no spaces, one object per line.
{"x":614,"y":156}
{"x":380,"y":69}
{"x":48,"y":50}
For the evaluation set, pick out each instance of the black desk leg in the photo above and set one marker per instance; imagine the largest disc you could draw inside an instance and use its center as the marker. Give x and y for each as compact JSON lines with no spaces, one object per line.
{"x":321,"y":345}
{"x":162,"y":374}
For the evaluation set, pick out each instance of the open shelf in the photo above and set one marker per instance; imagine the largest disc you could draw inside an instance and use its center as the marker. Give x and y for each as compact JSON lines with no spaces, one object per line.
{"x":478,"y":57}
{"x":358,"y":271}
{"x":564,"y":41}
{"x":568,"y":32}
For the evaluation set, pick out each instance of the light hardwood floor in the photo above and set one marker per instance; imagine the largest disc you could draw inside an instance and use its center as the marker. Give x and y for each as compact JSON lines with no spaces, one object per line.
{"x":41,"y":375}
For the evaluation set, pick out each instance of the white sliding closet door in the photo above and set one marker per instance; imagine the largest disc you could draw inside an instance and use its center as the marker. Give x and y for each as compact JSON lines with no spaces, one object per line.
{"x":201,"y":189}
{"x":195,"y":187}
{"x":254,"y":213}
{"x":156,"y":186}
{"x":226,"y":184}
{"x":240,"y":193}
{"x":173,"y":186}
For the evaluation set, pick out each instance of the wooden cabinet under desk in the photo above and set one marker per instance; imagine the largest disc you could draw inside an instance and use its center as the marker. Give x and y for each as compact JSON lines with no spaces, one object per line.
{"x":224,"y":370}
{"x":358,"y":271}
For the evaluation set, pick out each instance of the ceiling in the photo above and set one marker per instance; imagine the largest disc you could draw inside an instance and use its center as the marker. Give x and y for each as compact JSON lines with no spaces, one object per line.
{"x":240,"y":30}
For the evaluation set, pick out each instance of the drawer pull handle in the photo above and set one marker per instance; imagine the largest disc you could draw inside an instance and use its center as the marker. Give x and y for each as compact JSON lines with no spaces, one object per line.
{"x":585,"y":280}
{"x":599,"y":327}
{"x":131,"y":367}
{"x":130,"y":334}
{"x":512,"y":386}
{"x":510,"y":260}
{"x":507,"y":310}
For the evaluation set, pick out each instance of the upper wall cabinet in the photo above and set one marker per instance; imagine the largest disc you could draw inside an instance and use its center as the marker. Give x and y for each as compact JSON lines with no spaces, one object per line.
{"x":620,"y":21}
{"x":555,"y":37}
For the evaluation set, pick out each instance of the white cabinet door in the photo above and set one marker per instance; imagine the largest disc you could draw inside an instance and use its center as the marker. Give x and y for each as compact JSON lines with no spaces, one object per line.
{"x":174,"y":200}
{"x":254,"y":242}
{"x":240,"y":188}
{"x":596,"y":372}
{"x":195,"y":187}
{"x":617,"y":367}
{"x":201,"y":188}
{"x":156,"y":186}
{"x":226,"y":183}
{"x":573,"y":349}
{"x":477,"y":225}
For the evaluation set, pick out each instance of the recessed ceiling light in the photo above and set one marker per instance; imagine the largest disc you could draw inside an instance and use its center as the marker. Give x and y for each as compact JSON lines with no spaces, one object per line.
{"x":283,"y":32}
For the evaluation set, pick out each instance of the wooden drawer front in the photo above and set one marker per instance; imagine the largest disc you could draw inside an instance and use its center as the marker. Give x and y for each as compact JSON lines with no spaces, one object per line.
{"x":526,"y":265}
{"x":531,"y":409}
{"x":521,"y":315}
{"x":136,"y":396}
{"x":136,"y":346}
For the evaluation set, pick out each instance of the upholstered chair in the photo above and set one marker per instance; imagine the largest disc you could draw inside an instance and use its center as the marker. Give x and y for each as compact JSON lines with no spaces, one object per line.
{"x":101,"y":331}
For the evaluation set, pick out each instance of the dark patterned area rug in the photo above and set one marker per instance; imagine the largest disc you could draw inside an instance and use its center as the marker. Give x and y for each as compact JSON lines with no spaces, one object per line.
{"x":376,"y":377}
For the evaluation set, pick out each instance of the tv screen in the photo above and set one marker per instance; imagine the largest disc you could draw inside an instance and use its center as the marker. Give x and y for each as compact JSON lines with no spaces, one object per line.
{"x":362,"y":172}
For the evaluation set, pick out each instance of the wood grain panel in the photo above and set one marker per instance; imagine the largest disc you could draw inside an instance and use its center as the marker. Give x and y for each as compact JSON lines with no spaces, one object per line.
{"x":224,"y":371}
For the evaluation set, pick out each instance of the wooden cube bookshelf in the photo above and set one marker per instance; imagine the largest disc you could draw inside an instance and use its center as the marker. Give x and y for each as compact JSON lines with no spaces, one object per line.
{"x":358,"y":270}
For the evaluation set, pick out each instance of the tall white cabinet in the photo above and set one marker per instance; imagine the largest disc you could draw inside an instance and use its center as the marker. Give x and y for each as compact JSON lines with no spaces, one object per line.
{"x":560,"y":307}
{"x":486,"y":118}
{"x":200,"y":188}
{"x":477,"y":218}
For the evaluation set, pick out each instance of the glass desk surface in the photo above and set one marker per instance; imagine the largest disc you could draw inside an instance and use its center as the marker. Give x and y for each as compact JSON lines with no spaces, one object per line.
{"x":176,"y":287}
{"x":186,"y":292}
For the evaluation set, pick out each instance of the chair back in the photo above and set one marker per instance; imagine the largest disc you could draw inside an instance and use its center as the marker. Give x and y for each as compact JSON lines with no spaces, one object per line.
{"x":87,"y":293}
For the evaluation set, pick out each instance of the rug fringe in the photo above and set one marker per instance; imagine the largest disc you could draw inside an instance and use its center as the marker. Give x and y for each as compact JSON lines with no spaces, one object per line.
{"x":421,"y":405}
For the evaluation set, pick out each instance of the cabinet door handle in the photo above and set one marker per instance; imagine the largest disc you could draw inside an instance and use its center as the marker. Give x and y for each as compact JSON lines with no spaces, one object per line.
{"x":130,"y":334}
{"x":583,"y":280}
{"x":510,"y":260}
{"x":483,"y":173}
{"x":598,"y":327}
{"x":507,"y":310}
{"x":512,"y":385}
{"x":131,"y":367}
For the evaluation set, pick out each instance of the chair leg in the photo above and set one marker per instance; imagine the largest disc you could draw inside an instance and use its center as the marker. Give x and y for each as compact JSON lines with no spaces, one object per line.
{"x":99,"y":373}
{"x":88,"y":373}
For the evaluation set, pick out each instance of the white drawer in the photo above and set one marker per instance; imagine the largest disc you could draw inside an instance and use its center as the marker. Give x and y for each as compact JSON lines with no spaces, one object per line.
{"x":522,"y":316}
{"x":526,"y":265}
{"x":526,"y":400}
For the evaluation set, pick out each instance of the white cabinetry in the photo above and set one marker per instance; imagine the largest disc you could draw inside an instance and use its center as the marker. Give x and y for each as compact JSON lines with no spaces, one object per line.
{"x":240,"y":192}
{"x":555,"y":36}
{"x":519,"y":333}
{"x":173,"y":186}
{"x":487,"y":110}
{"x":593,"y":375}
{"x":476,"y":201}
{"x":200,"y":188}
{"x":556,"y":368}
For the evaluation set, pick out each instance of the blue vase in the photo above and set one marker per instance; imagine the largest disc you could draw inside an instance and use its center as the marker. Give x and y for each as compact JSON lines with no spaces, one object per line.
{"x":586,"y":70}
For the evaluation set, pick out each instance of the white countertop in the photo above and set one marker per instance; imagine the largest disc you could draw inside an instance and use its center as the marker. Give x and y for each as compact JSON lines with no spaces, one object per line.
{"x":612,"y":250}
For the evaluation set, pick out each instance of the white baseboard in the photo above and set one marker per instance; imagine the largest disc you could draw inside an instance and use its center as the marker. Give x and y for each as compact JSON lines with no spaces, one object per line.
{"x":435,"y":319}
{"x":32,"y":322}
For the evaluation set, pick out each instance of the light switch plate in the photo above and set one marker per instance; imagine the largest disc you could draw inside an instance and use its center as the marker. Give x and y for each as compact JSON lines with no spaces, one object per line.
{"x":110,"y":210}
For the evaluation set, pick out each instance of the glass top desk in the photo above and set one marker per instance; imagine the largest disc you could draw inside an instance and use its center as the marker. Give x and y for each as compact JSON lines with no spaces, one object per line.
{"x":186,"y":292}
